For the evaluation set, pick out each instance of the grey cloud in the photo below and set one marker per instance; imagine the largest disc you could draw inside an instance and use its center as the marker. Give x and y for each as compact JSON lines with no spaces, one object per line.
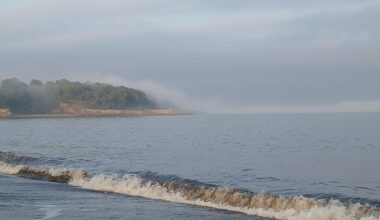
{"x":248,"y":53}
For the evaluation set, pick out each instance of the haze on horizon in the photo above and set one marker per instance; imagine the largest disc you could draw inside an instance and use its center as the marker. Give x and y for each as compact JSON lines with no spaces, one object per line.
{"x":215,"y":56}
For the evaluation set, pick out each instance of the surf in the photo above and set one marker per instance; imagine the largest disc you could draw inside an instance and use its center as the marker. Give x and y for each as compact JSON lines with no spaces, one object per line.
{"x":175,"y":189}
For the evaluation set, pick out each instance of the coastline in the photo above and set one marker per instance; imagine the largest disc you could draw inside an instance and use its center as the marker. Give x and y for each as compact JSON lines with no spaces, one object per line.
{"x":5,"y":113}
{"x":66,"y":110}
{"x":86,"y":115}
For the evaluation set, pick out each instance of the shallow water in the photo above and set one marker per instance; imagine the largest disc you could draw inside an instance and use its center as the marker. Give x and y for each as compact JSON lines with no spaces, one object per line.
{"x":321,"y":165}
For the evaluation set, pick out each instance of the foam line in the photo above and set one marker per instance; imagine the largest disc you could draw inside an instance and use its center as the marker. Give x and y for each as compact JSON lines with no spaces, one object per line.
{"x":197,"y":193}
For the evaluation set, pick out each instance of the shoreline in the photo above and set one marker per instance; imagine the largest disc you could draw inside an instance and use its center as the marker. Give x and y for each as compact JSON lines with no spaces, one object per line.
{"x":80,"y":116}
{"x":66,"y":110}
{"x":123,"y":113}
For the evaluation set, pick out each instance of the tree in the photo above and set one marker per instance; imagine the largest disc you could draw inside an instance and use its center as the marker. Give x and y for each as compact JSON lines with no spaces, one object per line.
{"x":39,"y":98}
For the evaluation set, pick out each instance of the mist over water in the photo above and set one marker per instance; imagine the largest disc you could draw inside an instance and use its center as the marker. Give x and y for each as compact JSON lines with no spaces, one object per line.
{"x":282,"y":166}
{"x":285,"y":97}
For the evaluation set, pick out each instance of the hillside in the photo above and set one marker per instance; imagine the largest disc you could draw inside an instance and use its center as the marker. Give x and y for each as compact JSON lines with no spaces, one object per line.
{"x":47,"y":98}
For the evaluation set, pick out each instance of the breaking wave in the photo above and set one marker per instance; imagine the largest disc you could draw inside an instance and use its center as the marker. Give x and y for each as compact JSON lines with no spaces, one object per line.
{"x":175,"y":189}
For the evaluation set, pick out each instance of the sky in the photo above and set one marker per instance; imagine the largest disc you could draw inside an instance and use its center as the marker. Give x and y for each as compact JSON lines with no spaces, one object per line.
{"x":218,"y":56}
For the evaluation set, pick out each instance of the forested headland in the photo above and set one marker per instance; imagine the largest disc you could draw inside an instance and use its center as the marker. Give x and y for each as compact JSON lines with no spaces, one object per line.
{"x":45,"y":98}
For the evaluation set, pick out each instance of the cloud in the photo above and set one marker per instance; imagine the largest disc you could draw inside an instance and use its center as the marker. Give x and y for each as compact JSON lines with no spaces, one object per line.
{"x":245,"y":53}
{"x":70,"y":22}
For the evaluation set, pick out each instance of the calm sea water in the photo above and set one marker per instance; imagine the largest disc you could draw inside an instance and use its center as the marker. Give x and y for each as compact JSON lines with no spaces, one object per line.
{"x":288,"y":166}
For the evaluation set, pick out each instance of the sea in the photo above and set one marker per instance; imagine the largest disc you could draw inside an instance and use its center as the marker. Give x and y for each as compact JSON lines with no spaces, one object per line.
{"x":204,"y":166}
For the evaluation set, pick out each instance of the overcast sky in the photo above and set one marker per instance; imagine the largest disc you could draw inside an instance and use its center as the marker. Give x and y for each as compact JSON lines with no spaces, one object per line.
{"x":207,"y":55}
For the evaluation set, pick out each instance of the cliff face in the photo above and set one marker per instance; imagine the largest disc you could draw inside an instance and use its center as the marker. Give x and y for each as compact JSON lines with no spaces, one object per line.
{"x":78,"y":110}
{"x":5,"y":113}
{"x":70,"y":110}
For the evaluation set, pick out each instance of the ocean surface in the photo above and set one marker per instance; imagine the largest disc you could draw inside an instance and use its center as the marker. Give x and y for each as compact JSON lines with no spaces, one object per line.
{"x":252,"y":166}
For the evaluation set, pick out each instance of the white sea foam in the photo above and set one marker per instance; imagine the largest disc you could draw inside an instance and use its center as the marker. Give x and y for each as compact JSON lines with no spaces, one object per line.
{"x":53,"y":174}
{"x":9,"y":168}
{"x":261,"y":204}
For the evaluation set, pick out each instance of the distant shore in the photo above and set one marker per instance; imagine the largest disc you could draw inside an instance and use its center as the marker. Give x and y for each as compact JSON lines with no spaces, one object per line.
{"x":80,"y":116}
{"x":5,"y":113}
{"x":75,"y":111}
{"x":19,"y":116}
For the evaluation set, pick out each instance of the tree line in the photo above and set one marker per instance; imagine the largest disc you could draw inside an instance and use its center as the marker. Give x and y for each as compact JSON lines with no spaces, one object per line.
{"x":42,"y":98}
